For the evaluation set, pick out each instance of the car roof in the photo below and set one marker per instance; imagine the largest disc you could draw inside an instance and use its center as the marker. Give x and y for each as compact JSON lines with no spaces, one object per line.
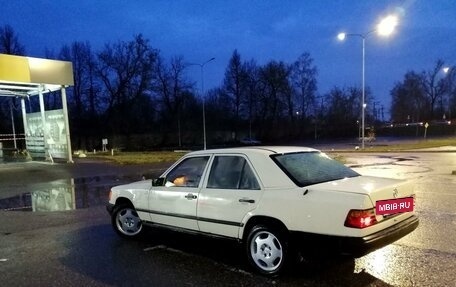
{"x":256,"y":150}
{"x":259,"y":156}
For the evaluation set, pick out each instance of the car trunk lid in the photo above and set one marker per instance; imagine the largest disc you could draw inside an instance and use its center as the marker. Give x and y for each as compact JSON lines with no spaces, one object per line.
{"x":376,"y":188}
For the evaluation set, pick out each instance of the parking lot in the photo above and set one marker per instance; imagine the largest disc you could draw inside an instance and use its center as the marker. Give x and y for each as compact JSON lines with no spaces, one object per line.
{"x":78,"y":246}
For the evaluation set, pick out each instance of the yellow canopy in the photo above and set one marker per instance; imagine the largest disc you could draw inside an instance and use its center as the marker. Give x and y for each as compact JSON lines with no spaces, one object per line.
{"x":27,"y":76}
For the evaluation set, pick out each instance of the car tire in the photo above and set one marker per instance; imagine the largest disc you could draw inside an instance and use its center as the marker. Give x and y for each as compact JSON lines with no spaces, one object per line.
{"x":126,"y":222}
{"x":267,"y":250}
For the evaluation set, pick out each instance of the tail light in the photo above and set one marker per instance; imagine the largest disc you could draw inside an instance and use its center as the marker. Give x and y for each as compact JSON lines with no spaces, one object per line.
{"x":110,"y":195}
{"x":360,"y":218}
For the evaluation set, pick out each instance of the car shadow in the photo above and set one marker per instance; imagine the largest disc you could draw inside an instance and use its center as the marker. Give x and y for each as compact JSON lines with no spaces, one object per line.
{"x":167,"y":258}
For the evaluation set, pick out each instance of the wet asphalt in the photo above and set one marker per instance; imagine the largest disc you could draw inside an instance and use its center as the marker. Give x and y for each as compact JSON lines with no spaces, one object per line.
{"x":34,"y":171}
{"x":78,"y":247}
{"x":17,"y":176}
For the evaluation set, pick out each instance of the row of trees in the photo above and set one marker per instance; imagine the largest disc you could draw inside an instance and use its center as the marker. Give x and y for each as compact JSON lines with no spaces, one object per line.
{"x":425,"y":96}
{"x":129,"y":93}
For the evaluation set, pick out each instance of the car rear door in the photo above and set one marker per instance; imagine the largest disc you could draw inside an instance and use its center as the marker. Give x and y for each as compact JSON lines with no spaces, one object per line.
{"x":175,"y":203}
{"x":229,"y":193}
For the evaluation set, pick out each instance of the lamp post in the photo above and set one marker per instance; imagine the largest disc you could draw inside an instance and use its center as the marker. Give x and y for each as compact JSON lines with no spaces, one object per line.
{"x":384,"y":28}
{"x":449,"y":74}
{"x":202,"y":95}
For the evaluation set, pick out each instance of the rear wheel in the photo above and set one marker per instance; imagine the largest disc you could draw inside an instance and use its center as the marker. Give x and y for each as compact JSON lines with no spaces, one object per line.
{"x":267,"y":250}
{"x":126,"y":222}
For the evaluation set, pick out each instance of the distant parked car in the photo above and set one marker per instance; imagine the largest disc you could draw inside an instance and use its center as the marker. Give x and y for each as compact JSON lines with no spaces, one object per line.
{"x":274,"y":200}
{"x":250,"y":141}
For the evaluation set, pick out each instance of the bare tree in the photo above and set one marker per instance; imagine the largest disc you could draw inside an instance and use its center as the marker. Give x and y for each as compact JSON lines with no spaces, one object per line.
{"x":9,"y":42}
{"x":253,"y":90}
{"x":409,"y":102}
{"x":304,"y":82}
{"x":234,"y":84}
{"x":83,"y":60}
{"x":84,"y":95}
{"x":343,"y":106}
{"x":450,"y":81}
{"x":172,"y":89}
{"x":434,"y":87}
{"x":126,"y":71}
{"x":170,"y":84}
{"x":275,"y":99}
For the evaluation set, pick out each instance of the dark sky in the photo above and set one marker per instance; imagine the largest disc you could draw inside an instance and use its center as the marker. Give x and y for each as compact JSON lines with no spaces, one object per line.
{"x":262,"y":30}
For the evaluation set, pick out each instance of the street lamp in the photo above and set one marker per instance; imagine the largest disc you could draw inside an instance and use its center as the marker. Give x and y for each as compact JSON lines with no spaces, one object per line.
{"x":202,"y":95}
{"x":384,"y":28}
{"x":449,"y":77}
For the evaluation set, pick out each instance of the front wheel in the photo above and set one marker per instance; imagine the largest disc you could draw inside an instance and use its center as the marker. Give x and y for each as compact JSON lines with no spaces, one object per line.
{"x":266,"y":250}
{"x":126,"y":222}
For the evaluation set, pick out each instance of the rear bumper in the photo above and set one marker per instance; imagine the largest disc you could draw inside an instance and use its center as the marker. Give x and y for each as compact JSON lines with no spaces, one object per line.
{"x":354,"y":246}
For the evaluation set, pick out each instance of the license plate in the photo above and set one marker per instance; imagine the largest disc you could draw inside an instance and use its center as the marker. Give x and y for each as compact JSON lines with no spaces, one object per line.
{"x":393,"y":206}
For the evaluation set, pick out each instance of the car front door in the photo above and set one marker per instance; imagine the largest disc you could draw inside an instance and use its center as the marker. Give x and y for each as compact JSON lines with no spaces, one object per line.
{"x":231,"y":191}
{"x":174,"y":204}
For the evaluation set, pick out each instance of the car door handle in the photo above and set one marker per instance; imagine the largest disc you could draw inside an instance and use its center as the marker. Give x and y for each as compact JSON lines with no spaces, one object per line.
{"x":247,"y":200}
{"x":190,"y":196}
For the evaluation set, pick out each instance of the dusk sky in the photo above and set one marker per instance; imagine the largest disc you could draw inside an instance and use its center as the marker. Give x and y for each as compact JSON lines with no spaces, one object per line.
{"x":260,"y":30}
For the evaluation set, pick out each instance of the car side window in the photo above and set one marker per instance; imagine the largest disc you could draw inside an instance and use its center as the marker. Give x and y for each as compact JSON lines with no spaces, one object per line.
{"x":232,"y":172}
{"x":187,"y":173}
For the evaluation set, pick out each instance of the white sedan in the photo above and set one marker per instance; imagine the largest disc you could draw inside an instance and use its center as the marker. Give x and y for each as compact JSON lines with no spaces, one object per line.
{"x":275,"y":200}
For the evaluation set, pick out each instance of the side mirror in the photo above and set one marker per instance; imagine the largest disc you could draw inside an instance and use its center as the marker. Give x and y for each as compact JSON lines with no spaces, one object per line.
{"x":158,"y":181}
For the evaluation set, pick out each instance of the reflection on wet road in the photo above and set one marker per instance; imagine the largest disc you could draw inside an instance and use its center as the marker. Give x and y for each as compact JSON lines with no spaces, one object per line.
{"x":65,"y":194}
{"x":427,"y":256}
{"x":389,"y":166}
{"x":400,"y":265}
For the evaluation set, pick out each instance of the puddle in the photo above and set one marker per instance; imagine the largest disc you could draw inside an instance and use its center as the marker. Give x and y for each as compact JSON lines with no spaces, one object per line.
{"x":65,"y":194}
{"x":377,"y":161}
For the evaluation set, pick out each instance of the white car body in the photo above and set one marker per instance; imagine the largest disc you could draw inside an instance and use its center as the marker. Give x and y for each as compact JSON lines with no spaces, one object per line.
{"x":318,"y":210}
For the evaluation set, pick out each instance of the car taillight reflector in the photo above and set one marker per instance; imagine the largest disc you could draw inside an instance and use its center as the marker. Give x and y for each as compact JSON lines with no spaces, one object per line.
{"x":360,"y":218}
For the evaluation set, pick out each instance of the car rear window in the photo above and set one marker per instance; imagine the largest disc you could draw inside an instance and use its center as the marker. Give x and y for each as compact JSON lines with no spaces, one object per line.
{"x":307,"y":168}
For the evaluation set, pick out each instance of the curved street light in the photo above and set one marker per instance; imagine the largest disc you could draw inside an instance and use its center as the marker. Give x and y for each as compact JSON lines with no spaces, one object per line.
{"x":384,"y":28}
{"x":202,"y":95}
